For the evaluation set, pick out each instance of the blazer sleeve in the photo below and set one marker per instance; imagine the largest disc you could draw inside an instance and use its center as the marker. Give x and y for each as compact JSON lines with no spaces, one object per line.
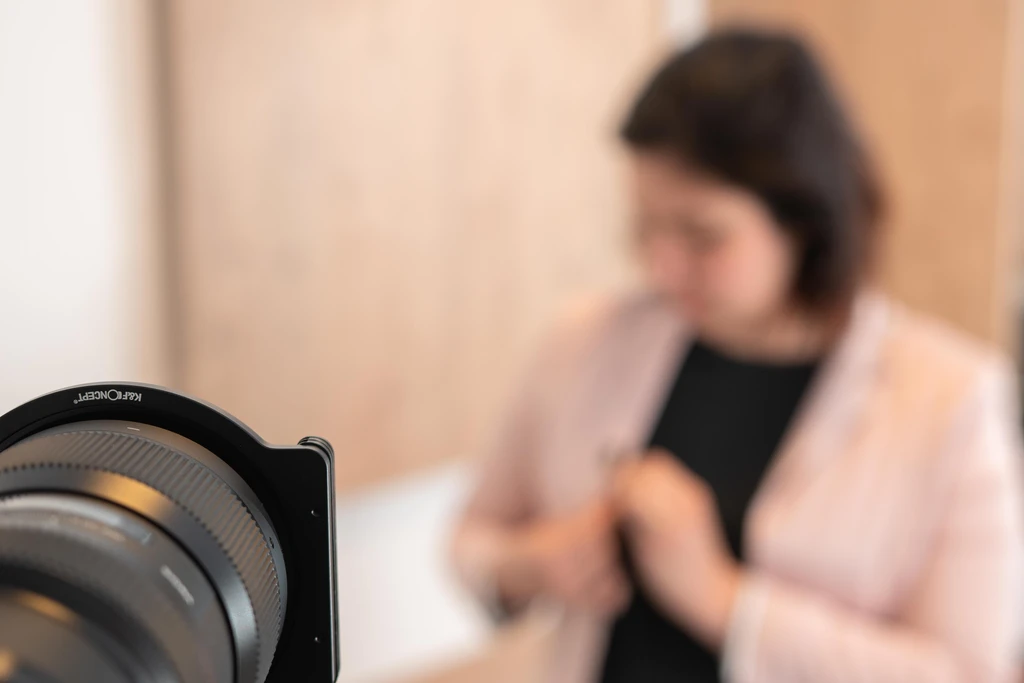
{"x":504,"y":494}
{"x":962,"y":625}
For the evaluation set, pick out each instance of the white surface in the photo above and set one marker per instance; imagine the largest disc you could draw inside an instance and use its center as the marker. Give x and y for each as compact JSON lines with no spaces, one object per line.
{"x":686,"y":20}
{"x":401,"y":611}
{"x":68,"y":279}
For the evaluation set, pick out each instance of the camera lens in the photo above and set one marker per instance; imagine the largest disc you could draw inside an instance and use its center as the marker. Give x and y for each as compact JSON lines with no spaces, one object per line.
{"x":131,"y":553}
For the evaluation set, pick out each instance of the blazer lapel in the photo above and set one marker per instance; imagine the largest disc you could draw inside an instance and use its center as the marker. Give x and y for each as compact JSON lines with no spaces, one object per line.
{"x":653,"y":349}
{"x":835,"y":401}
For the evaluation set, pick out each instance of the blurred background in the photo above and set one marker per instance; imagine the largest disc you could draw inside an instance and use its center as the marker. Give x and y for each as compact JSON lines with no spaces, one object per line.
{"x":354,"y":218}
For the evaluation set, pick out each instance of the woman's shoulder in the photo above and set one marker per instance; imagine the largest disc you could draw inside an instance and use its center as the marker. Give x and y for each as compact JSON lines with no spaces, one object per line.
{"x":925,"y":340}
{"x":594,"y":319}
{"x":953,"y":400}
{"x":596,"y":327}
{"x":929,"y":358}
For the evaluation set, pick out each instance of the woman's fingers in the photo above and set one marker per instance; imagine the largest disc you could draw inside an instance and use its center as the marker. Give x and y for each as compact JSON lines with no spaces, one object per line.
{"x":603,"y":558}
{"x":589,"y":575}
{"x":592,"y":556}
{"x":633,"y":495}
{"x":656,"y":492}
{"x":611,"y":592}
{"x":605,"y":592}
{"x":623,"y":483}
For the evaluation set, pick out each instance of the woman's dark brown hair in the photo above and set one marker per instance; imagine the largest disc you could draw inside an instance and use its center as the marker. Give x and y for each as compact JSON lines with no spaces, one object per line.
{"x":755,"y":109}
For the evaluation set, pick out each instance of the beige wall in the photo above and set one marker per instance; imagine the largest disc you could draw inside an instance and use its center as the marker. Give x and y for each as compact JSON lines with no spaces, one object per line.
{"x":380,"y":202}
{"x":931,"y":85}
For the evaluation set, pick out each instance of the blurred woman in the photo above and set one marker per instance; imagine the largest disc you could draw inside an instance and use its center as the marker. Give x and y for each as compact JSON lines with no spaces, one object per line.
{"x":825,"y":485}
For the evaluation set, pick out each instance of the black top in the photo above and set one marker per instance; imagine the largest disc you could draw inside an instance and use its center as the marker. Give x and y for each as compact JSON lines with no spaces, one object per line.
{"x":724,"y":419}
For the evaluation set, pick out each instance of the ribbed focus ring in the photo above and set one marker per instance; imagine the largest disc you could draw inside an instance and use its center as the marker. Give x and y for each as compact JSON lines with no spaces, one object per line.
{"x":190,"y":484}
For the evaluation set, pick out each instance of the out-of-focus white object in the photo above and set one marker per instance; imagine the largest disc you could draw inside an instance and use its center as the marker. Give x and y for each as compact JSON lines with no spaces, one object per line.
{"x":77,"y":280}
{"x":685,"y":20}
{"x":401,"y":610}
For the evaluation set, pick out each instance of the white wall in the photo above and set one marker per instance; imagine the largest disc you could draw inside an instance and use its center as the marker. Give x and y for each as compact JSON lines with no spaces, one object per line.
{"x":78,"y":274}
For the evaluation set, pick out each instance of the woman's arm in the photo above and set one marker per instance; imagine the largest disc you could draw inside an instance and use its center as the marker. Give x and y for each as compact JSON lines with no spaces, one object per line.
{"x":502,"y":500}
{"x":508,"y":557}
{"x":502,"y":550}
{"x":962,"y":625}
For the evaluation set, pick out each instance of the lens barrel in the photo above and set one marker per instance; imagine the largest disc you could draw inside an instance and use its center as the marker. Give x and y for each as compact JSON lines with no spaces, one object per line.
{"x":131,"y":553}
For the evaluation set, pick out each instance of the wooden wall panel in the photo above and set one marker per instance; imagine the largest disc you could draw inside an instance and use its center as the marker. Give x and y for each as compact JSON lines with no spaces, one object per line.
{"x":929,"y":82}
{"x":380,"y":202}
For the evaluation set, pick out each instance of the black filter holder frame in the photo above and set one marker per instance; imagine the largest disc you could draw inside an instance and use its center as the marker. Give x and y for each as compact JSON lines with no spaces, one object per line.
{"x":294,"y":484}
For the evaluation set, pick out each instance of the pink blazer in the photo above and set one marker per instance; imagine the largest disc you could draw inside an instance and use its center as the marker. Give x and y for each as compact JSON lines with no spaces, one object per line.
{"x":885,"y":543}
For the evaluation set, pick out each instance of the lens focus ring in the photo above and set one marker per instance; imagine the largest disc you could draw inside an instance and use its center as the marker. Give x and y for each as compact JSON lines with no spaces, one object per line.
{"x":194,"y":487}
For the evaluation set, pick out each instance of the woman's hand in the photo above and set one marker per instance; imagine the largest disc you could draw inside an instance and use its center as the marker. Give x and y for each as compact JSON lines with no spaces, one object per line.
{"x":573,"y":560}
{"x":672,"y":523}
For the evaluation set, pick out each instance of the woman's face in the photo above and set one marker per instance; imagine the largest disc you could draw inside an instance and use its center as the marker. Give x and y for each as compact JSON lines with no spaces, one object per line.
{"x":712,"y":248}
